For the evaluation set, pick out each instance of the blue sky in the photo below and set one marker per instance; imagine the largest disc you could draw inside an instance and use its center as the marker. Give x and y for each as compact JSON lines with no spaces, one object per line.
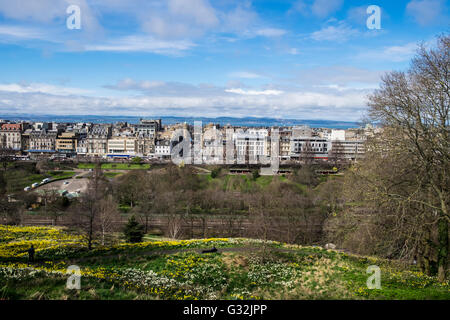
{"x":304,"y":59}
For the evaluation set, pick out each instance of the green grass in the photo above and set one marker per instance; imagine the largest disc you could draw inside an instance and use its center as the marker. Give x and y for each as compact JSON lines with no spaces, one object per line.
{"x":112,"y":174}
{"x":63,"y":175}
{"x":245,"y":183}
{"x":116,"y":166}
{"x":264,"y":181}
{"x":124,"y":208}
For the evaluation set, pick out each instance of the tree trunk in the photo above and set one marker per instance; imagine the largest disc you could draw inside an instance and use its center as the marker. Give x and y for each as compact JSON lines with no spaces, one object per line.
{"x":90,"y":242}
{"x":443,"y":248}
{"x":90,"y":234}
{"x":204,"y":227}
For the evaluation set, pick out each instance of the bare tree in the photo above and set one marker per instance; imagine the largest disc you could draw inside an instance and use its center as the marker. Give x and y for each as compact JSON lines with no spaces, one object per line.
{"x":336,"y":155}
{"x":53,"y":204}
{"x":414,"y":107}
{"x":130,"y":186}
{"x":87,"y":213}
{"x":108,"y":216}
{"x":9,"y":211}
{"x":6,"y":156}
{"x":307,"y":153}
{"x":174,"y":225}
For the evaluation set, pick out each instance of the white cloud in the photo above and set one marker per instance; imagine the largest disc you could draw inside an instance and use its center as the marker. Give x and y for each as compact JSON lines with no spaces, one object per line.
{"x":397,"y":53}
{"x":358,"y":15}
{"x":130,"y":84}
{"x":179,"y":19}
{"x":167,"y":27}
{"x":339,"y":33}
{"x":270,"y":32}
{"x":42,"y":88}
{"x":293,"y":51}
{"x":162,"y":88}
{"x":50,"y":12}
{"x":426,"y":12}
{"x":199,"y":11}
{"x":318,"y":8}
{"x":239,"y":20}
{"x":401,"y":52}
{"x":325,"y":103}
{"x":42,"y":11}
{"x":21,"y":32}
{"x":338,"y":75}
{"x":143,"y":44}
{"x":323,"y":8}
{"x":132,"y":43}
{"x":255,"y":92}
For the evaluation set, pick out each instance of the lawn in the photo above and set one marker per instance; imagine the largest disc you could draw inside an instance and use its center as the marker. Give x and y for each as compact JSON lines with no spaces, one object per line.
{"x":59,"y":175}
{"x":112,"y":174}
{"x":175,"y":269}
{"x":246,"y":183}
{"x":116,"y":166}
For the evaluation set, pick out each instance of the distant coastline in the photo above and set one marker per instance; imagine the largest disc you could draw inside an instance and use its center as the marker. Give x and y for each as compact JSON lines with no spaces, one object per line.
{"x":245,"y":122}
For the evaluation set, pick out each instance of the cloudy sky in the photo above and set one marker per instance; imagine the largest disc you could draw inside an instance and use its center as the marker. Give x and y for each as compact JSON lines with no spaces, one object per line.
{"x":304,"y":59}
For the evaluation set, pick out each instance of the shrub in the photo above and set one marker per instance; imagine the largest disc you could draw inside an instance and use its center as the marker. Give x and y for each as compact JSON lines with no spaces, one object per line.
{"x":136,"y":160}
{"x":215,"y":172}
{"x":133,"y":231}
{"x":255,"y":174}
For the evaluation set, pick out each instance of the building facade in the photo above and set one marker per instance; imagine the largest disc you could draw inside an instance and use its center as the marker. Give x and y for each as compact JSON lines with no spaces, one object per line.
{"x":97,"y":140}
{"x":67,"y":142}
{"x":121,"y":147}
{"x":43,"y":141}
{"x":11,"y":136}
{"x":309,"y":148}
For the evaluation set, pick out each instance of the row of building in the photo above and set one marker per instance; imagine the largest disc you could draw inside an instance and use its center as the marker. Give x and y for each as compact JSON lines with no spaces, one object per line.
{"x":149,"y":138}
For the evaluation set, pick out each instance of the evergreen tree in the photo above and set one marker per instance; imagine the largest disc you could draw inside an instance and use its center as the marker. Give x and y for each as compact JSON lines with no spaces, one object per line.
{"x":133,"y":231}
{"x":255,"y":174}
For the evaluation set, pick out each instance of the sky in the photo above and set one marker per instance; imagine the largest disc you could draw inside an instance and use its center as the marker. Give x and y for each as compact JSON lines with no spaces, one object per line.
{"x":303,"y":59}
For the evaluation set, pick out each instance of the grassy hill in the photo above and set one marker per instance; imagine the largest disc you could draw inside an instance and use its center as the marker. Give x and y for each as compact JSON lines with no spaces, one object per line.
{"x":175,"y":269}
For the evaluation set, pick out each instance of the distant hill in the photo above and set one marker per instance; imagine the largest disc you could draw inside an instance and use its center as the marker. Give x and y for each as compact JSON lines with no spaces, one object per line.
{"x":248,"y":121}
